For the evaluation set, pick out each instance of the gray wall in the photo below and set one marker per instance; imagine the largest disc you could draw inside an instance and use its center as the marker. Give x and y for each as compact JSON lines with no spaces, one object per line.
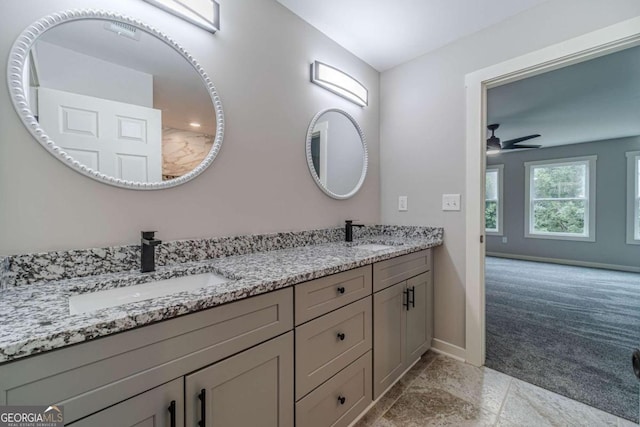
{"x":422,"y":129}
{"x":260,"y":182}
{"x":610,"y":246}
{"x":65,"y":69}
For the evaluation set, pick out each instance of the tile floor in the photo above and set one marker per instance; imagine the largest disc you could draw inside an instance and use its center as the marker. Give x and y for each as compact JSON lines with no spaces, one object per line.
{"x":440,"y":391}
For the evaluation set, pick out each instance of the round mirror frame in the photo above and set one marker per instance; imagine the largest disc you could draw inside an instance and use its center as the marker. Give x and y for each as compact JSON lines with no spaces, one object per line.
{"x":365,"y":155}
{"x":17,"y":58}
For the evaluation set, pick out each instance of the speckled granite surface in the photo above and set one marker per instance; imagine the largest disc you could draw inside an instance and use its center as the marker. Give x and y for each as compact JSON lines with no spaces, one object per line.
{"x":50,"y":266}
{"x":36,"y":318}
{"x":5,"y":275}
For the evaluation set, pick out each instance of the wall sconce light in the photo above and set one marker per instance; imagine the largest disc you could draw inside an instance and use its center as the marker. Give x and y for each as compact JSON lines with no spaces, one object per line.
{"x":339,"y":83}
{"x":203,"y":13}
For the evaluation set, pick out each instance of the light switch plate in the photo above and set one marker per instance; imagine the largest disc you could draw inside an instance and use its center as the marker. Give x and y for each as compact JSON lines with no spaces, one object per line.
{"x":450,"y":202}
{"x":504,"y":239}
{"x":403,"y":203}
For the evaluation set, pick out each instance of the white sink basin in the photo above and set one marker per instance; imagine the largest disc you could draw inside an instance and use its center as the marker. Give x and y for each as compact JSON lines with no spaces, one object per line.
{"x":92,"y":301}
{"x":374,"y":247}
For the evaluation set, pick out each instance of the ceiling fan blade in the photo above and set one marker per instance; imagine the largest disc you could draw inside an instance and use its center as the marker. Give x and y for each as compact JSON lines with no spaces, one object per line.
{"x":515,"y":147}
{"x":510,"y":142}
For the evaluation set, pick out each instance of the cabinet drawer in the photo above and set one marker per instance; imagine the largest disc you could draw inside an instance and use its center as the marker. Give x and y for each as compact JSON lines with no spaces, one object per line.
{"x":320,"y":296}
{"x":395,"y":270}
{"x":323,"y":407}
{"x":91,"y":376}
{"x":326,"y":345}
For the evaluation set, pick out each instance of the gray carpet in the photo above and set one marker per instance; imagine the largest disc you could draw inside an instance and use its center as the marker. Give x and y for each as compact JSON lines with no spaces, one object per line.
{"x":567,"y":329}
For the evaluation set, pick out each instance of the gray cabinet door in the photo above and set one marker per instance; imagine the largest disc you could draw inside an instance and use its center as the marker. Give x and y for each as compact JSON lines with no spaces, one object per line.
{"x":149,"y":409}
{"x":418,"y":324}
{"x":253,"y":388}
{"x":389,"y":331}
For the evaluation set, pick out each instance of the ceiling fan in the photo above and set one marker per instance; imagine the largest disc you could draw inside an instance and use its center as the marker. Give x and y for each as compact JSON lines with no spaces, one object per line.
{"x":494,"y":143}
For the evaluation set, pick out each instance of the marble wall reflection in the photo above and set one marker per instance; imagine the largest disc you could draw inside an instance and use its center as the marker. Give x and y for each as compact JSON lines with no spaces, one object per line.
{"x":182,"y":151}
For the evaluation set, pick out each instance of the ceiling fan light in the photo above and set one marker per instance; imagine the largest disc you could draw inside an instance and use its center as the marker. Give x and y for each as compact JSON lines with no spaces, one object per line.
{"x":493,"y":143}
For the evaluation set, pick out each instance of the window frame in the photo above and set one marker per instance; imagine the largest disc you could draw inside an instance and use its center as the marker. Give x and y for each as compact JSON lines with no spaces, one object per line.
{"x":590,"y":195}
{"x":499,"y":230}
{"x":633,"y":197}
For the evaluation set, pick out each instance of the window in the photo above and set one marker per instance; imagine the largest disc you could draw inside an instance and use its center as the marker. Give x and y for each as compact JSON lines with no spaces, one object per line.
{"x":561,"y":199}
{"x":493,"y":200}
{"x":633,"y":198}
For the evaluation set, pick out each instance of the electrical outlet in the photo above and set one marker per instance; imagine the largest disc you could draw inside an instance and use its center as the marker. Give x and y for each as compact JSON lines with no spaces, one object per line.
{"x":504,"y":239}
{"x":403,"y":203}
{"x":450,"y":202}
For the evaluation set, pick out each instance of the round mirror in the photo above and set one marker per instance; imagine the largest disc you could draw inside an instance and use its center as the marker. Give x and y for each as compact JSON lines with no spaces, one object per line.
{"x":115,"y":99}
{"x":336,"y":153}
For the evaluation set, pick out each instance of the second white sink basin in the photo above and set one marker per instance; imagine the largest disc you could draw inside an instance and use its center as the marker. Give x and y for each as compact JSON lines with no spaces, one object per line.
{"x":374,"y":247}
{"x":92,"y":301}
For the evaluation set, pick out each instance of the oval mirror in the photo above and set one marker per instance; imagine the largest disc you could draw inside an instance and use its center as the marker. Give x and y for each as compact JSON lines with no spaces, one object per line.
{"x":337,"y":153}
{"x":115,"y":99}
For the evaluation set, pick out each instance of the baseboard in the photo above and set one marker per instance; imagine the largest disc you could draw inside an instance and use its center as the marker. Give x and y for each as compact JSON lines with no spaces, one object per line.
{"x":566,"y":262}
{"x":450,"y":350}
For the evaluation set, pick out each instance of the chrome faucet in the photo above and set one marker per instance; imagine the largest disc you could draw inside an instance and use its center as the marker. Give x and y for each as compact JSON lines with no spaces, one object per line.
{"x":348,"y":229}
{"x":148,"y":242}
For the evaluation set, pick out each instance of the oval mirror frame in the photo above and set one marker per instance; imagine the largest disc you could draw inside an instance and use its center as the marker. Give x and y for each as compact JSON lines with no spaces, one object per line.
{"x":17,"y":59}
{"x":365,"y":154}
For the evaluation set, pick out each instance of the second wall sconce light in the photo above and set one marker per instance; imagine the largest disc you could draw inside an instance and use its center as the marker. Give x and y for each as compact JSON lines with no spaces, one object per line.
{"x":339,"y":83}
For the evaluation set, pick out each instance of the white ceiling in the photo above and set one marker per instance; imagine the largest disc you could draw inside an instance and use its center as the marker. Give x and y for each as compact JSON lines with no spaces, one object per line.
{"x":590,"y":101}
{"x":386,"y":33}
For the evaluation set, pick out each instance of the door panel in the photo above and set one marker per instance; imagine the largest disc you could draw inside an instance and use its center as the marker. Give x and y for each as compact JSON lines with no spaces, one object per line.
{"x":389,"y":329}
{"x":252,"y":388}
{"x":118,"y":139}
{"x":417,"y":317}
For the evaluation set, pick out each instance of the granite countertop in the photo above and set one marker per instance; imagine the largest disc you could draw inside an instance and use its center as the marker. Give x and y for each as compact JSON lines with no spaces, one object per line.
{"x":36,"y":318}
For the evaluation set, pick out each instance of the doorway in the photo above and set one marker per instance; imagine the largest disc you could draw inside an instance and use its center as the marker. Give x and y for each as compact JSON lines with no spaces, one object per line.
{"x":575,"y":51}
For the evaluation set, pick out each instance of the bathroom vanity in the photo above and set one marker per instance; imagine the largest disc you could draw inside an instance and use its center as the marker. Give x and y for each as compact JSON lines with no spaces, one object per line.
{"x":276,"y":351}
{"x":282,"y":329}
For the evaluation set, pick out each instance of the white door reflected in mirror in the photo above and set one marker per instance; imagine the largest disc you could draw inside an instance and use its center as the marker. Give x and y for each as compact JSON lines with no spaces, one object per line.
{"x":336,"y":153}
